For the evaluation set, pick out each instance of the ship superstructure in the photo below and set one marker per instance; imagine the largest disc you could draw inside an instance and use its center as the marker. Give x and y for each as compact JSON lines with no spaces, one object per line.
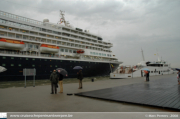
{"x":24,"y":38}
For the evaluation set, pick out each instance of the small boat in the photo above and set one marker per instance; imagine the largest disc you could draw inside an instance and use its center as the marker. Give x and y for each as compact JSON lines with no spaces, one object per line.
{"x":80,"y":51}
{"x":49,"y":48}
{"x":11,"y":44}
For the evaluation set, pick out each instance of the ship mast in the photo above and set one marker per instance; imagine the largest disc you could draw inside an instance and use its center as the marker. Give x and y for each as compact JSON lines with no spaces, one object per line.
{"x":142,"y":54}
{"x":63,"y":18}
{"x":158,"y":56}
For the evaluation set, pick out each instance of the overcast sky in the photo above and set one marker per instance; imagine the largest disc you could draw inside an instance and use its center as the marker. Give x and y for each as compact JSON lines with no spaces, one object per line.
{"x":129,"y":24}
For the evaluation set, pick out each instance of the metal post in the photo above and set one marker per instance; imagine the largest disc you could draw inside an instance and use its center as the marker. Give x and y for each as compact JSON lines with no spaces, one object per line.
{"x":110,"y":67}
{"x":25,"y":78}
{"x":132,"y":73}
{"x":34,"y":78}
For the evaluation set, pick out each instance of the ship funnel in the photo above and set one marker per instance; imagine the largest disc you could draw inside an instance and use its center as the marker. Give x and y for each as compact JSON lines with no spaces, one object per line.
{"x":45,"y":20}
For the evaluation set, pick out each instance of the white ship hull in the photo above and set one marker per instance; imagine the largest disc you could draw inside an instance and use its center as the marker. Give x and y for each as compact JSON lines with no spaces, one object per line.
{"x":154,"y":71}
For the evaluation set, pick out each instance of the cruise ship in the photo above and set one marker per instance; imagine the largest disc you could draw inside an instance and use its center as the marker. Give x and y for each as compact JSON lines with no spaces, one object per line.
{"x":28,"y":43}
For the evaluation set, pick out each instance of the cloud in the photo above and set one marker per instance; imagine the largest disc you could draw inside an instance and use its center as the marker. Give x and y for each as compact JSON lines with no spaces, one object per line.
{"x":129,"y":24}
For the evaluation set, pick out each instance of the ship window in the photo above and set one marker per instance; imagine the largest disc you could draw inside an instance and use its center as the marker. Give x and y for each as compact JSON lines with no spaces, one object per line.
{"x":100,"y":54}
{"x":4,"y":57}
{"x":12,"y":65}
{"x":62,"y":50}
{"x":36,"y":46}
{"x":45,"y":60}
{"x":26,"y":58}
{"x":66,"y":50}
{"x":70,"y":61}
{"x":70,"y":51}
{"x":19,"y":65}
{"x":30,"y":46}
{"x":74,"y":61}
{"x":50,"y":65}
{"x":96,"y":53}
{"x":3,"y":64}
{"x":74,"y":51}
{"x":33,"y":59}
{"x":93,"y":53}
{"x":33,"y":65}
{"x":104,"y":54}
{"x":55,"y":65}
{"x":151,"y":71}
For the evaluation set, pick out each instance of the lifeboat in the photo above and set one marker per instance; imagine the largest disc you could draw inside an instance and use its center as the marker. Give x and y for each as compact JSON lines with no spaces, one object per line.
{"x":49,"y":48}
{"x":80,"y":51}
{"x":11,"y":44}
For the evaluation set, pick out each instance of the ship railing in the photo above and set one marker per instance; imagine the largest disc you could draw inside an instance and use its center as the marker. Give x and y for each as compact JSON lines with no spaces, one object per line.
{"x":36,"y":54}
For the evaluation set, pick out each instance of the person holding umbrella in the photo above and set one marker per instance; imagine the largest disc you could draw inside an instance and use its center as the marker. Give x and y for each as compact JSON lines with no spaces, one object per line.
{"x":2,"y":69}
{"x":146,"y":71}
{"x":54,"y":80}
{"x":80,"y":77}
{"x":61,"y":73}
{"x":147,"y":76}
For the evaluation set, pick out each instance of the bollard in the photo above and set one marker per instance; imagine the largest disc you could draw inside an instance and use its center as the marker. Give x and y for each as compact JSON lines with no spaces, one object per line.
{"x":25,"y":79}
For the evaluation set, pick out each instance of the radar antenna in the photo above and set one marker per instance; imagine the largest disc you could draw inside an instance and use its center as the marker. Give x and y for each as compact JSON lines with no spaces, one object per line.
{"x":62,"y":19}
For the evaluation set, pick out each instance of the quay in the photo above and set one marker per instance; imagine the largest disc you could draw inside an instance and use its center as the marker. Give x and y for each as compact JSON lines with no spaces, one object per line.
{"x":39,"y":99}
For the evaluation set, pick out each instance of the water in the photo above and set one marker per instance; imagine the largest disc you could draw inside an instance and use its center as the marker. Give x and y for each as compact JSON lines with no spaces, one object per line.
{"x":29,"y":83}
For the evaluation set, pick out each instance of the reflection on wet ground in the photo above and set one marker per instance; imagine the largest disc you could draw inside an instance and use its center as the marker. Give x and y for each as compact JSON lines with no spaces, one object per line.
{"x":164,"y":92}
{"x":8,"y":84}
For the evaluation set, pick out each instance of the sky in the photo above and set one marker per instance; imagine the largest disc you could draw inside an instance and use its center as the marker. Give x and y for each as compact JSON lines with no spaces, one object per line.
{"x":130,"y":25}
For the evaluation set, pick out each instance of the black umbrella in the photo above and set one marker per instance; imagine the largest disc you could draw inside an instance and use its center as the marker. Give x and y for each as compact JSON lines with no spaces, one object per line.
{"x":177,"y":69}
{"x":62,"y":71}
{"x":77,"y":67}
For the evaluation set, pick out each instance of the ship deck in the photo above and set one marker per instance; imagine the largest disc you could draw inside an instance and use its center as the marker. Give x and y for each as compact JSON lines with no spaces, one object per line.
{"x":39,"y":99}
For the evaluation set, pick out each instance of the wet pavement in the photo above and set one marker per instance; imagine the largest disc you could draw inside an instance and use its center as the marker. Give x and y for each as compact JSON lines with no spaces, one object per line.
{"x":163,"y":93}
{"x":30,"y":83}
{"x":39,"y":99}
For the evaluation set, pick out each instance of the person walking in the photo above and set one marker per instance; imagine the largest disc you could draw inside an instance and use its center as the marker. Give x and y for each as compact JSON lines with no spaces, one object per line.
{"x":80,"y":77}
{"x":178,"y":76}
{"x":147,"y":76}
{"x":60,"y":78}
{"x":54,"y":80}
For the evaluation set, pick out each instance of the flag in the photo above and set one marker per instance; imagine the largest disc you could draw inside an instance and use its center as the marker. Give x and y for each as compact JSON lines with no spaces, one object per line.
{"x":112,"y":66}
